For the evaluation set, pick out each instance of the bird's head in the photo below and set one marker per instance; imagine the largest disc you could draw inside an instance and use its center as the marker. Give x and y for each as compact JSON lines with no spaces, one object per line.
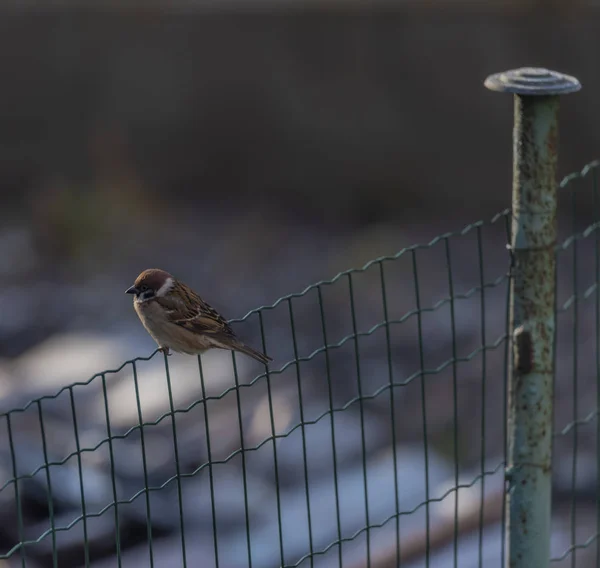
{"x":150,"y":284}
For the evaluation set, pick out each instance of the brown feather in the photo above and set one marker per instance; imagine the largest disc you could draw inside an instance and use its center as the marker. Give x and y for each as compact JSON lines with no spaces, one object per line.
{"x":193,"y":313}
{"x":259,"y":356}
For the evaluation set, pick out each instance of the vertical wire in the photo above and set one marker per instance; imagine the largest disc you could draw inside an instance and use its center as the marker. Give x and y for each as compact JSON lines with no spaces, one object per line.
{"x":13,"y":457}
{"x":86,"y":550}
{"x":243,"y":456}
{"x":597,"y":256}
{"x":177,"y":462}
{"x":454,"y":392}
{"x":575,"y":281}
{"x":274,"y":434}
{"x":483,"y":389}
{"x":423,"y":404}
{"x":507,"y":369}
{"x":303,"y":430}
{"x":112,"y":472}
{"x":332,"y":414}
{"x":362,"y":418}
{"x":388,"y":344}
{"x":49,"y":482}
{"x":144,"y":463}
{"x":211,"y":480}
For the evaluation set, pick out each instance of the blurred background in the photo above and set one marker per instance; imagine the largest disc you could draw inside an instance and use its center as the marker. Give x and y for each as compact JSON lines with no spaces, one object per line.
{"x":251,"y":149}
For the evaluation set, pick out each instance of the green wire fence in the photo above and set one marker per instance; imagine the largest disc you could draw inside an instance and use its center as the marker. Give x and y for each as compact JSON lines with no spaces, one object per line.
{"x":576,"y":429}
{"x":385,"y":433}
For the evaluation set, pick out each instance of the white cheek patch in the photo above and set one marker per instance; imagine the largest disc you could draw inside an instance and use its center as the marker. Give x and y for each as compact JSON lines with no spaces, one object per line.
{"x":166,"y":287}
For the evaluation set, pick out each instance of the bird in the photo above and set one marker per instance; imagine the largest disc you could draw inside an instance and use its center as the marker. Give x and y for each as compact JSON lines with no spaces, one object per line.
{"x":179,"y":319}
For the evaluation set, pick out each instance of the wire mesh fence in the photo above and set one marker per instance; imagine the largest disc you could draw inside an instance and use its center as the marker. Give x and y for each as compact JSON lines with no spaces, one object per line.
{"x":576,"y":469}
{"x":377,"y":437}
{"x":392,"y":350}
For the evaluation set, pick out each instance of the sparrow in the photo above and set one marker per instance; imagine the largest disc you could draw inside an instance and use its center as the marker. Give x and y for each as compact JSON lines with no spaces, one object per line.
{"x":177,"y":318}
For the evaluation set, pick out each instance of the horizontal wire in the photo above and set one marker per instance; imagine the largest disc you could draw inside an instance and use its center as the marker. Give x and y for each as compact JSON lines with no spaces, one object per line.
{"x":79,"y":384}
{"x":581,"y":235}
{"x":583,"y":422}
{"x":570,"y":550}
{"x":583,"y":296}
{"x":580,"y":174}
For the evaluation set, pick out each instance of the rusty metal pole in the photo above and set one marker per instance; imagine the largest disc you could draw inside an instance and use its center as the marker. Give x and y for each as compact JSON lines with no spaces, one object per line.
{"x":532,"y":318}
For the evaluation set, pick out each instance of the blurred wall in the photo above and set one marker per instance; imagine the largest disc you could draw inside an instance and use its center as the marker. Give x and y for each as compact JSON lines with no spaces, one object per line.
{"x":348,"y":111}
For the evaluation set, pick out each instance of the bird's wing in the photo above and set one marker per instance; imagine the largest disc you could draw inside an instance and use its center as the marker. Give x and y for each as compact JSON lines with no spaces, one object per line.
{"x":194,"y":314}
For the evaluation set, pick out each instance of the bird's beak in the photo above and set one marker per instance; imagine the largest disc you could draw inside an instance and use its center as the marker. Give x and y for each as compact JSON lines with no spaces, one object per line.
{"x":131,"y":290}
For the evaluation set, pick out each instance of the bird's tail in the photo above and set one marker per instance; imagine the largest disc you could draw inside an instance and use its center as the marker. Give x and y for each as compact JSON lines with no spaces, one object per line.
{"x":246,"y":349}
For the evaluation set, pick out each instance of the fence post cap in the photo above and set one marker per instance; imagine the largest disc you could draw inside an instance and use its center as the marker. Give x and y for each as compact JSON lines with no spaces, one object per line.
{"x":532,"y":81}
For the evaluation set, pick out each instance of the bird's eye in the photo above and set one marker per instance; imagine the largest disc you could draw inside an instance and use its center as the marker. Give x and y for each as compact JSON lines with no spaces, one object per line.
{"x":144,"y":288}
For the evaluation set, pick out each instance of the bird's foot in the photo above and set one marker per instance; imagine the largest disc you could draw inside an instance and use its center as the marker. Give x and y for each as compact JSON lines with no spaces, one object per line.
{"x":165,"y":350}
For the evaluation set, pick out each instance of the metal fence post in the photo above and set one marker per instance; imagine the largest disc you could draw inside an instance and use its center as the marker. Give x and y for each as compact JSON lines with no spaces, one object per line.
{"x":530,"y":394}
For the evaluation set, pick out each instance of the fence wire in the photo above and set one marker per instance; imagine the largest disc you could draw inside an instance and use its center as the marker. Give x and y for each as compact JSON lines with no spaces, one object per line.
{"x":376,"y":438}
{"x":577,"y":432}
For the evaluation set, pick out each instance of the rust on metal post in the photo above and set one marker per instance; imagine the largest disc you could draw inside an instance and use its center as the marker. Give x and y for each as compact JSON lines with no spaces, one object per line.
{"x":532,"y":318}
